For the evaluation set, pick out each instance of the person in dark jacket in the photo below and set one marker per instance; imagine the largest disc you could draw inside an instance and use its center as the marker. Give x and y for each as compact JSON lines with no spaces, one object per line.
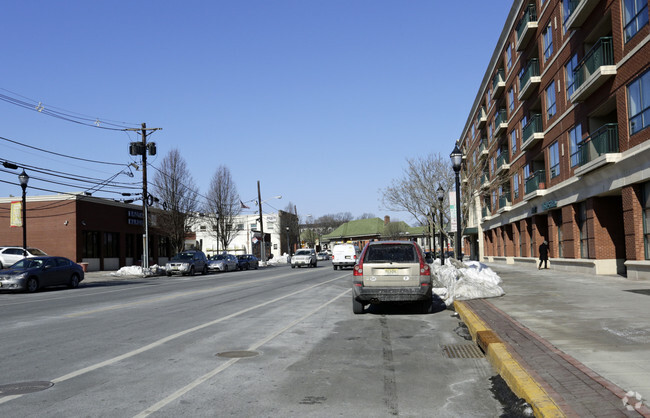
{"x":543,"y":255}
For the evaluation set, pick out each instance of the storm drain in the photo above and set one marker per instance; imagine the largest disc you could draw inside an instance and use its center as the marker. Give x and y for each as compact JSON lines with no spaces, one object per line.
{"x":462,"y":351}
{"x":238,"y":354}
{"x":24,"y":387}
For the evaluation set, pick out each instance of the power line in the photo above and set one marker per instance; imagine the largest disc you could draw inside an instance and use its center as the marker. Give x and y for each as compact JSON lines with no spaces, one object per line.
{"x":63,"y":114}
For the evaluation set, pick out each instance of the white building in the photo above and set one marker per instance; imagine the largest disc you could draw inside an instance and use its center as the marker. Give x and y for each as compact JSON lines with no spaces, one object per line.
{"x":247,"y":235}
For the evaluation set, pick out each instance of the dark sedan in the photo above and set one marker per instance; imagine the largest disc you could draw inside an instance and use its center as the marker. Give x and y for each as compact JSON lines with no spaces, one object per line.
{"x":247,"y":261}
{"x":31,"y":274}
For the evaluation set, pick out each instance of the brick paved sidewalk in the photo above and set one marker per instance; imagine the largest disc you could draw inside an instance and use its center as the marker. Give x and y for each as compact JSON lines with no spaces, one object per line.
{"x":577,"y":390}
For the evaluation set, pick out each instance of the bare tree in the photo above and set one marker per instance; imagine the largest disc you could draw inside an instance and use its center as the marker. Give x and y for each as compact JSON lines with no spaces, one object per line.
{"x":394,"y":230}
{"x":416,"y":191}
{"x":366,"y":215}
{"x":222,"y":206}
{"x":174,"y":186}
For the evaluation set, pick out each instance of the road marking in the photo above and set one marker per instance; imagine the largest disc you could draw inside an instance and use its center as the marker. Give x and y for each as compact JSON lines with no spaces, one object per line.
{"x":169,"y":338}
{"x":182,"y":391}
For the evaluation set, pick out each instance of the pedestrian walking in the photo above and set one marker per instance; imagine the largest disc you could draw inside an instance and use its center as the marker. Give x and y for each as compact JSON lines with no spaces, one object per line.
{"x":543,"y":255}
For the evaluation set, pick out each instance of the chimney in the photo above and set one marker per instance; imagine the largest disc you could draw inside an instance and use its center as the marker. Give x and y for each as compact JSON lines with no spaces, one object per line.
{"x":386,"y":220}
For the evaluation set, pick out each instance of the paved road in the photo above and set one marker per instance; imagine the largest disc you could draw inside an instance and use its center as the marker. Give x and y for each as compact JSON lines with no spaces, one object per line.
{"x":271,"y":342}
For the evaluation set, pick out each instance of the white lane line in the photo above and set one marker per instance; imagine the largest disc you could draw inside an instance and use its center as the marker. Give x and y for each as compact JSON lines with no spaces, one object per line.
{"x":162,"y":341}
{"x":182,"y":391}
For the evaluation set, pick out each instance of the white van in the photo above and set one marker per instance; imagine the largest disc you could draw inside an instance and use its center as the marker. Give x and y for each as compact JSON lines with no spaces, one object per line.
{"x":345,"y":255}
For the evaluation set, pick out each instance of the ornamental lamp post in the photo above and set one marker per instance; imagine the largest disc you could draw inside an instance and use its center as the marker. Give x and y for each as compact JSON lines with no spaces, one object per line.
{"x":24,"y":179}
{"x":456,"y":160}
{"x":288,"y":243}
{"x":440,"y":193}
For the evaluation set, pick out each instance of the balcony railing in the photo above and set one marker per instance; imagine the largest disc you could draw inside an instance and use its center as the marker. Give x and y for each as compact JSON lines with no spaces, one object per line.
{"x":504,"y":200}
{"x":526,"y":26}
{"x":529,"y":78}
{"x":503,"y":159}
{"x":486,"y":211}
{"x":569,"y":7}
{"x":533,"y":126}
{"x":603,"y":141}
{"x":498,"y":83}
{"x":481,"y":118}
{"x":601,"y":54}
{"x":577,"y":11}
{"x":537,"y":179}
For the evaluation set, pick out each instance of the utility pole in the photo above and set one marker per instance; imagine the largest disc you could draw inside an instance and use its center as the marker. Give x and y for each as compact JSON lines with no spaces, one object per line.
{"x":142,"y":149}
{"x":259,"y":200}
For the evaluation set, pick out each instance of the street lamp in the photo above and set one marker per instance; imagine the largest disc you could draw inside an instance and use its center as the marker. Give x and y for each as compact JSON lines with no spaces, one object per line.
{"x":456,"y":160}
{"x":440,"y":193}
{"x":24,"y":179}
{"x":259,"y":199}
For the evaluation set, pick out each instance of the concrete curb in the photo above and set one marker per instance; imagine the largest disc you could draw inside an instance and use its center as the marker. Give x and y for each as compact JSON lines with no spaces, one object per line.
{"x":516,"y":376}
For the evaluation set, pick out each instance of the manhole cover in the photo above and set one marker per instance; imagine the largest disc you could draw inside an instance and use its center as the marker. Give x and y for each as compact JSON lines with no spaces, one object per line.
{"x":462,"y":351}
{"x":24,"y":387}
{"x":238,"y":354}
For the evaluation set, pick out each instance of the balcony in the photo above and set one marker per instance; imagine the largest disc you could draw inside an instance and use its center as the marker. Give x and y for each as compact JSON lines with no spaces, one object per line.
{"x":599,"y":149}
{"x":535,"y":185}
{"x":486,"y":211}
{"x":500,"y":122}
{"x":485,"y":181}
{"x":503,"y":162}
{"x":526,"y":27}
{"x":594,"y":70}
{"x":481,"y":119}
{"x":532,"y":132}
{"x":529,"y":80}
{"x":498,"y":84}
{"x":579,"y":11}
{"x":482,"y":149}
{"x":504,"y":203}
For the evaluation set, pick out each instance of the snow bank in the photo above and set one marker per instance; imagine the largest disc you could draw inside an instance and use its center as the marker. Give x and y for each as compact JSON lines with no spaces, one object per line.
{"x":154,"y":270}
{"x":465,"y":281}
{"x":283,"y":259}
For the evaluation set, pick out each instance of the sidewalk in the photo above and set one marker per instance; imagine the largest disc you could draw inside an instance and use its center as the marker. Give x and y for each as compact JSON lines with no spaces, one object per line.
{"x":570,"y":344}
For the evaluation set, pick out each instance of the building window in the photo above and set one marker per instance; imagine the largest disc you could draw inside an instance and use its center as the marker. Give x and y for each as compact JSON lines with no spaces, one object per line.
{"x":548,"y":42}
{"x":526,"y":171}
{"x":509,"y":56}
{"x":550,"y":100}
{"x":646,"y":219}
{"x":570,"y":78}
{"x":513,"y":142}
{"x":494,"y":199}
{"x":635,"y":16}
{"x":554,"y":159}
{"x":492,"y":165}
{"x":129,"y":242}
{"x":638,"y":96}
{"x":511,"y":100}
{"x":111,"y":244}
{"x":515,"y":185}
{"x":91,"y":244}
{"x":584,"y":232}
{"x":575,"y":137}
{"x":163,"y":246}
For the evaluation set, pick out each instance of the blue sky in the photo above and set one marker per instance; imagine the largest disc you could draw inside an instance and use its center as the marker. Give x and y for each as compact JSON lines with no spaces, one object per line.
{"x":322,"y":101}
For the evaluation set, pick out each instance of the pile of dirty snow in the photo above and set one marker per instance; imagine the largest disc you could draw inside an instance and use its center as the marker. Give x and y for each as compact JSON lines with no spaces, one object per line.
{"x":154,"y":270}
{"x":465,"y":281}
{"x":283,"y":259}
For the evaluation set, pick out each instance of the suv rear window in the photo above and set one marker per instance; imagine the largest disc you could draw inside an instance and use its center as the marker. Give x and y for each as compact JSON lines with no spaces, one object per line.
{"x":388,"y":253}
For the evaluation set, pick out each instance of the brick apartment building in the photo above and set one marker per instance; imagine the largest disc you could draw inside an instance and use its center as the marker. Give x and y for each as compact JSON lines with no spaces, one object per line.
{"x":557,"y":144}
{"x":105,"y":234}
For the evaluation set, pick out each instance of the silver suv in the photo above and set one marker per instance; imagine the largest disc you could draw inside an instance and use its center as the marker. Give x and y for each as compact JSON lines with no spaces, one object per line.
{"x":392,"y":271}
{"x":188,"y":262}
{"x":304,"y":257}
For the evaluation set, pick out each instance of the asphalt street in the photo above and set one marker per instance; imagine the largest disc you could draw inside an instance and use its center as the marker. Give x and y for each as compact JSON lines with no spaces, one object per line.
{"x":270,"y":342}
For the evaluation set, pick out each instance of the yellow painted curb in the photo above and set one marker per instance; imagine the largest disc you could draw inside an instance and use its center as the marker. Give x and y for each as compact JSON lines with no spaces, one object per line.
{"x":517,"y":378}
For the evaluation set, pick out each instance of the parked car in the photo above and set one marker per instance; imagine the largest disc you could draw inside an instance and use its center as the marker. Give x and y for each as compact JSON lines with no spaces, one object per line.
{"x":304,"y":257}
{"x":187,"y":262}
{"x":322,"y":256}
{"x":223,"y":262}
{"x":344,"y":255}
{"x":31,"y":274}
{"x":10,"y":255}
{"x":391,"y":271}
{"x":248,"y":261}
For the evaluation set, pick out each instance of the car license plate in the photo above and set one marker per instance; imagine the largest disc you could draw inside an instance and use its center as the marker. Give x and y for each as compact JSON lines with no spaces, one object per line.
{"x":347,"y":257}
{"x":390,"y":271}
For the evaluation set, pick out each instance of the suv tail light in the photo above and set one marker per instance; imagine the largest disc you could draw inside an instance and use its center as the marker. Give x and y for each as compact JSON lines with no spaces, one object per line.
{"x":358,"y":270}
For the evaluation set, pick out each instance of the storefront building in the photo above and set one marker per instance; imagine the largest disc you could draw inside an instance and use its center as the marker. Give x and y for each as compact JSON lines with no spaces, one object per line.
{"x":557,"y":142}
